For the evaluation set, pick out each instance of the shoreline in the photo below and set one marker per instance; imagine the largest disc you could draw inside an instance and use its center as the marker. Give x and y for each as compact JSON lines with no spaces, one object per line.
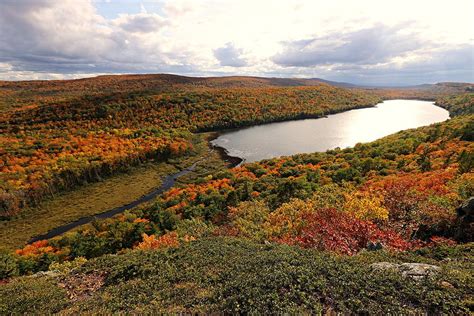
{"x":301,"y":116}
{"x":232,"y":161}
{"x":235,"y":160}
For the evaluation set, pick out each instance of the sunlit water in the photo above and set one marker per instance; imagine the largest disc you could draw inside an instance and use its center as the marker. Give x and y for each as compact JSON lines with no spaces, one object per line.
{"x":339,"y":130}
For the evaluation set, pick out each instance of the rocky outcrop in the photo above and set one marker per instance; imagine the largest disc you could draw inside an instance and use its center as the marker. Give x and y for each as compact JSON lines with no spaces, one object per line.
{"x":464,"y":230}
{"x":416,"y":271}
{"x":80,"y":286}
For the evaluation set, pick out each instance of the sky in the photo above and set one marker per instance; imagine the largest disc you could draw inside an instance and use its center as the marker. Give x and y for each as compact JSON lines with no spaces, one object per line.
{"x":364,"y":42}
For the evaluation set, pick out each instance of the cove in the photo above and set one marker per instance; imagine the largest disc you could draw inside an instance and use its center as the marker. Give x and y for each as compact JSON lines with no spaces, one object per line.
{"x":339,"y":130}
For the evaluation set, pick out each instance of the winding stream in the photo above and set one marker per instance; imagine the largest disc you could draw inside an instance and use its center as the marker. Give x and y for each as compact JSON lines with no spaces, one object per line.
{"x":168,"y":182}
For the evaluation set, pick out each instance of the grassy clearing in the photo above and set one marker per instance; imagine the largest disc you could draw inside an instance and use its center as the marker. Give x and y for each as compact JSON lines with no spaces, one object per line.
{"x":101,"y":196}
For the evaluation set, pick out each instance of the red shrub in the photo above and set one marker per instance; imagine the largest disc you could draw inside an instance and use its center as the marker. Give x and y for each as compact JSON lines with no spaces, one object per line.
{"x":332,"y":230}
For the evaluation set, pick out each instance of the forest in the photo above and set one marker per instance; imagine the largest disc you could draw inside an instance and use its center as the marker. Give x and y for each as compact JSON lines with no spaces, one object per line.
{"x":59,"y":145}
{"x":296,"y":234}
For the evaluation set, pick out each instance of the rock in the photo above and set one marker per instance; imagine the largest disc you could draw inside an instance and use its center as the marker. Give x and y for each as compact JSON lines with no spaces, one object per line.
{"x":382,"y":266}
{"x":446,"y":285}
{"x":374,"y":246}
{"x":45,"y":274}
{"x":80,"y":286}
{"x":416,"y":271}
{"x":465,"y":221}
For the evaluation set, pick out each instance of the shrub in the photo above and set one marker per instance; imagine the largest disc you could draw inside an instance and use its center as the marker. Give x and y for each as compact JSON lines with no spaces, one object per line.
{"x":67,"y":266}
{"x":230,"y":275}
{"x":9,"y":204}
{"x":25,"y":296}
{"x":288,"y":220}
{"x":365,"y":205}
{"x":169,"y":240}
{"x":247,"y":219}
{"x":194,"y":227}
{"x":329,"y":229}
{"x":8,"y":266}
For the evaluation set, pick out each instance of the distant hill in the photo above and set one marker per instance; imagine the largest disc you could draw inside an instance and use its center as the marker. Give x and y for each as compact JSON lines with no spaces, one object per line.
{"x":423,"y":92}
{"x":337,"y":83}
{"x":150,"y":81}
{"x":18,"y":94}
{"x":21,"y":94}
{"x":155,"y":80}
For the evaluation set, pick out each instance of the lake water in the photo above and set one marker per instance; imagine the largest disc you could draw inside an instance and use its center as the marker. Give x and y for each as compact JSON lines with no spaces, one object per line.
{"x":339,"y":130}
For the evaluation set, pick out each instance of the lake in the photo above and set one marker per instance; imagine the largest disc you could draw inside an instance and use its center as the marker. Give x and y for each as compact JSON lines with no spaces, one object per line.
{"x":339,"y":130}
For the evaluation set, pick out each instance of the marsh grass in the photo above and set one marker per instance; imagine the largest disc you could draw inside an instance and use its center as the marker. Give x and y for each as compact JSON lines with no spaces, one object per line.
{"x":98,"y":197}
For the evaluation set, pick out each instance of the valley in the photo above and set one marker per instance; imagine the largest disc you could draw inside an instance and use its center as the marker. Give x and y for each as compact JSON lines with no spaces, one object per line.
{"x":77,"y":148}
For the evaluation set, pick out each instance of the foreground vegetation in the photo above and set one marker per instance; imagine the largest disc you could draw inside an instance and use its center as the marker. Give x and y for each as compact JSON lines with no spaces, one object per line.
{"x":312,"y":224}
{"x":228,"y":275}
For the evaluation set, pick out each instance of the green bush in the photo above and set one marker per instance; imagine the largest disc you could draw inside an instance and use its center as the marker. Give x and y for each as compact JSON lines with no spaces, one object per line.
{"x":8,"y":266}
{"x":67,"y":266}
{"x":194,"y":227}
{"x":31,"y":296}
{"x":32,"y":264}
{"x":228,"y":275}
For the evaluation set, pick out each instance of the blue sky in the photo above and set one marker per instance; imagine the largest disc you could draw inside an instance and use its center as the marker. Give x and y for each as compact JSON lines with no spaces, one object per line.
{"x":112,"y":9}
{"x":366,"y":42}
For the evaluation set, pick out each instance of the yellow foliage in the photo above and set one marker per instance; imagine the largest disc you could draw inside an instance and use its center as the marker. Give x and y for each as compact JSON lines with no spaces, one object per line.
{"x":247,"y":218}
{"x":287,"y":219}
{"x":365,"y":205}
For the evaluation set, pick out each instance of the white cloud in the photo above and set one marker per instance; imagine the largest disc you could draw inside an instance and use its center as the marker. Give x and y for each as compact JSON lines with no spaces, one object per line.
{"x":229,"y":55}
{"x":347,"y":40}
{"x":376,"y":44}
{"x":141,"y":23}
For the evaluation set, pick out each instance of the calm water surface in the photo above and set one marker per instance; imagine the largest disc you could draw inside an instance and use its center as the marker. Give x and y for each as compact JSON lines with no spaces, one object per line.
{"x":339,"y":130}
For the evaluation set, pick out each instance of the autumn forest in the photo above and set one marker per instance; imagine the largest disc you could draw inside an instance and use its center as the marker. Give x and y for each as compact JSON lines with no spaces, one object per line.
{"x":309,"y":233}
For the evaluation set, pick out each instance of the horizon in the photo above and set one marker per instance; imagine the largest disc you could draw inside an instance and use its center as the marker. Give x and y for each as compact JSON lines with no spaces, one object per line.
{"x":321,"y":80}
{"x":365,"y":43}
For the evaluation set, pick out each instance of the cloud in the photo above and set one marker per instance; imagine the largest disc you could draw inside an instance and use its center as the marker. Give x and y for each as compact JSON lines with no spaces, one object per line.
{"x":440,"y":64}
{"x":143,"y":9}
{"x":379,"y":55}
{"x":365,"y":41}
{"x":372,"y":45}
{"x":179,"y":8}
{"x":141,"y":23}
{"x":434,"y":65}
{"x":35,"y":32}
{"x":68,"y":37}
{"x":229,"y":55}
